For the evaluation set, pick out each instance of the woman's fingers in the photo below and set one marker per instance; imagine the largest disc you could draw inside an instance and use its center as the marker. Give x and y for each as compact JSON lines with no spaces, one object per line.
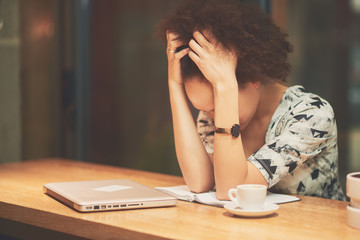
{"x":201,"y":43}
{"x":195,"y":47}
{"x":199,"y":46}
{"x":173,"y":42}
{"x":171,"y":36}
{"x":201,"y":39}
{"x":174,"y":47}
{"x":194,"y":57}
{"x":182,"y":53}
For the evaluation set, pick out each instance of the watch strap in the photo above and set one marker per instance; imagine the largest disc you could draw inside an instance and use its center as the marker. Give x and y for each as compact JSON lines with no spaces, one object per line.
{"x":234,"y":131}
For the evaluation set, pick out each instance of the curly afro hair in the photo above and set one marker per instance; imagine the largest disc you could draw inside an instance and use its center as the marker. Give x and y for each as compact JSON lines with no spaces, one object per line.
{"x":243,"y":27}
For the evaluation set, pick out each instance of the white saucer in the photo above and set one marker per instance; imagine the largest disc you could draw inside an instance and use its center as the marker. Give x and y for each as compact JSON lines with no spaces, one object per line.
{"x":268,"y":209}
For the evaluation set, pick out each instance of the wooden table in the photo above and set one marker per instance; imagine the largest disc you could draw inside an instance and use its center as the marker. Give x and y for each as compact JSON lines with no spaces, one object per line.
{"x":26,"y":212}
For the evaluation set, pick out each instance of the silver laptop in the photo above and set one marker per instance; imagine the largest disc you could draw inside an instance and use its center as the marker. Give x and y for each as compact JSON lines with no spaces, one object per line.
{"x":104,"y":195}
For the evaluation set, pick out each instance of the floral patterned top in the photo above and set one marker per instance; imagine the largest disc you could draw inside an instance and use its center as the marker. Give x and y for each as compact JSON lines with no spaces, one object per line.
{"x":300,"y":154}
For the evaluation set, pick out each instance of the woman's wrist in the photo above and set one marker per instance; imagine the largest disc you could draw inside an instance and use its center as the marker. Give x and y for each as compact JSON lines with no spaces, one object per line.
{"x":226,"y":102}
{"x":228,"y":85}
{"x":174,"y":85}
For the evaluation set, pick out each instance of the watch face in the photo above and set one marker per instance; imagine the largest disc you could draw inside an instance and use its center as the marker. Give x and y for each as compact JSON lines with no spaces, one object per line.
{"x":235,"y":130}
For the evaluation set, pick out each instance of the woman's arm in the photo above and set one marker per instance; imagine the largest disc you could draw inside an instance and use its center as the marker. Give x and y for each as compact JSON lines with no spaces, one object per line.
{"x":230,"y":163}
{"x":194,"y":162}
{"x":218,"y":66}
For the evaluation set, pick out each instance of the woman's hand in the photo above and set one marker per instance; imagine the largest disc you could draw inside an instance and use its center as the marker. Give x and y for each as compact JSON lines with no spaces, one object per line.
{"x":174,"y":70}
{"x":194,"y":163}
{"x":217,"y":63}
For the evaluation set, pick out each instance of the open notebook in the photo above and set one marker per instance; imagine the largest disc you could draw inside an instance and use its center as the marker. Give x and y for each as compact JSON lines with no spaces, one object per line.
{"x":183,"y":192}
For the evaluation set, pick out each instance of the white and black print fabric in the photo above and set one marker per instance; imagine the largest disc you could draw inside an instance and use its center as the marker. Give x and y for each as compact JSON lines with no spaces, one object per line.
{"x":300,"y":155}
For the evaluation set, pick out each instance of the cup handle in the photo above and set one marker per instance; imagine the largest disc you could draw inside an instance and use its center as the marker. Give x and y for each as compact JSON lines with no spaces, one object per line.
{"x":231,"y":194}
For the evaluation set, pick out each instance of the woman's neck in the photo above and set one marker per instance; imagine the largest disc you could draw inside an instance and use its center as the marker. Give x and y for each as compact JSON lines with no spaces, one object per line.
{"x":271,"y":95}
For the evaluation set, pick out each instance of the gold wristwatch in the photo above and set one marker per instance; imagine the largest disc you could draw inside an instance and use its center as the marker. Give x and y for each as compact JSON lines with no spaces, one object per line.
{"x":234,"y":131}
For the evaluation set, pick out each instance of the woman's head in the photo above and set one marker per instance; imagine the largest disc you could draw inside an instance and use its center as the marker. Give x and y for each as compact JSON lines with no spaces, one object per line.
{"x":260,"y":46}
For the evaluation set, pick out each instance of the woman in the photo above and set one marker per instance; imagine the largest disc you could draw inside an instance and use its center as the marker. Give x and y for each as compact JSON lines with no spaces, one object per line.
{"x":230,"y":60}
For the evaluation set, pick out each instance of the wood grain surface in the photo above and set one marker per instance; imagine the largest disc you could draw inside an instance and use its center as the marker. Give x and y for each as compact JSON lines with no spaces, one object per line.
{"x":22,"y":201}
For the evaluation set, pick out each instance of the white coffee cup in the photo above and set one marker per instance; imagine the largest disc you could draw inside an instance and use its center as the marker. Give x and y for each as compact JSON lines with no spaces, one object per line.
{"x":353,"y":217}
{"x":249,"y":196}
{"x":353,"y":189}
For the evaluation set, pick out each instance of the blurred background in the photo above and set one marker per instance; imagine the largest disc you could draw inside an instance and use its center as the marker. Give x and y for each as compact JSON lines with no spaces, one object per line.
{"x":87,"y":80}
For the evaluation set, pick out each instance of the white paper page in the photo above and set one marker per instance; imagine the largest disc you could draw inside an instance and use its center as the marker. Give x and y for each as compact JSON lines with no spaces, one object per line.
{"x":183,"y":192}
